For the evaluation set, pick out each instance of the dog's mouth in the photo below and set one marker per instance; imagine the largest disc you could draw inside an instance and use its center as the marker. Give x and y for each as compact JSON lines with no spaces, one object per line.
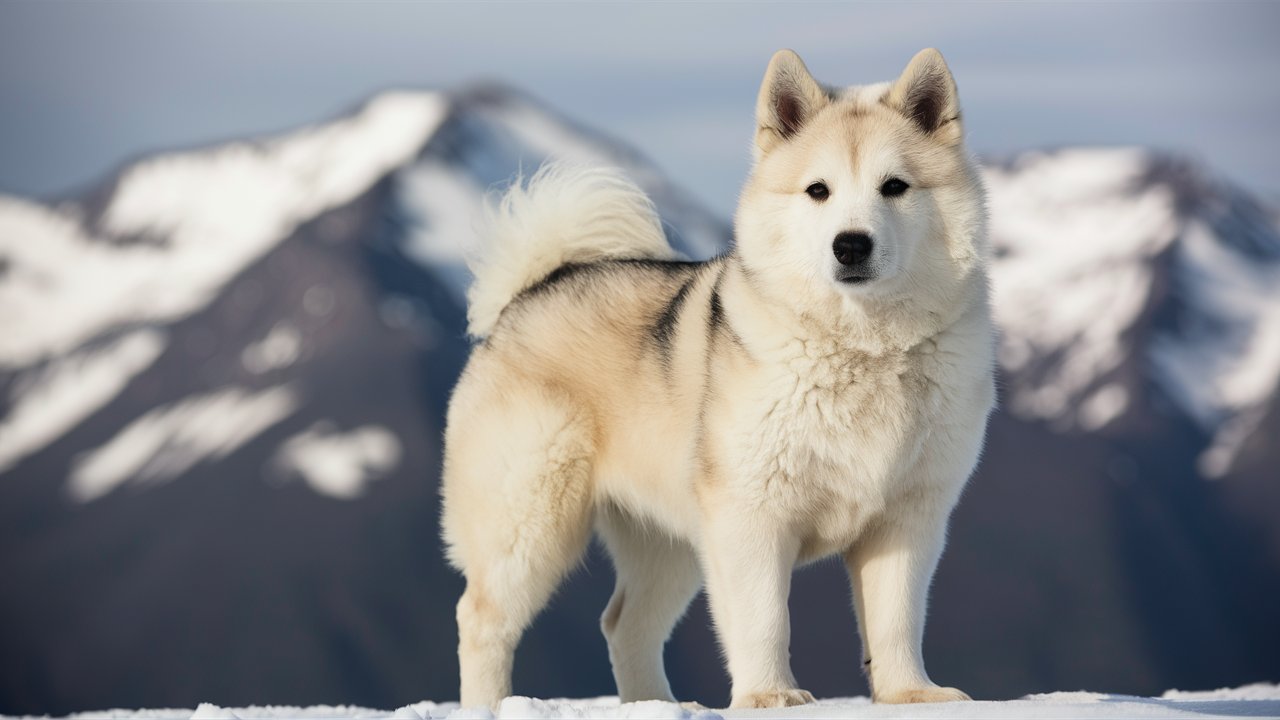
{"x":854,"y":278}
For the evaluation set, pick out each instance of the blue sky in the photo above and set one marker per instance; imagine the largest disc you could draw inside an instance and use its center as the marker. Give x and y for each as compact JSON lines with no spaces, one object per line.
{"x":87,"y":86}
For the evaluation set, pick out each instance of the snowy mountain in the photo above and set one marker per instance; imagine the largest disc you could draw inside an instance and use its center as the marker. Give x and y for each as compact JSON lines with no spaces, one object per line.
{"x":1153,"y":263}
{"x":222,"y":383}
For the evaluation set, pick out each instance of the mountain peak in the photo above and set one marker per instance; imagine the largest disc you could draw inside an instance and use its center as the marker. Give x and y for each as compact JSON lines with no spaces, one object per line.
{"x":174,"y":227}
{"x":1110,"y":256}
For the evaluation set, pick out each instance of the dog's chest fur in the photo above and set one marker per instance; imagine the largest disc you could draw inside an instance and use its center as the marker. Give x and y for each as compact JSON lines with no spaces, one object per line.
{"x":828,"y":436}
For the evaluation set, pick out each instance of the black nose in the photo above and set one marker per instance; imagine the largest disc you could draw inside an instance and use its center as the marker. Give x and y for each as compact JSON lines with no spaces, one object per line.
{"x":852,"y":248}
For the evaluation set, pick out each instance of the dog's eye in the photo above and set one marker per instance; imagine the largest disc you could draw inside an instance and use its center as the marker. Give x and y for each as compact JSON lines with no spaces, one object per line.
{"x":893,"y":187}
{"x":818,"y":191}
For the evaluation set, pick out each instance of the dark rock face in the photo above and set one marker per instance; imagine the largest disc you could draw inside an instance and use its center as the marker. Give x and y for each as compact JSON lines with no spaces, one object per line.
{"x":221,"y":567}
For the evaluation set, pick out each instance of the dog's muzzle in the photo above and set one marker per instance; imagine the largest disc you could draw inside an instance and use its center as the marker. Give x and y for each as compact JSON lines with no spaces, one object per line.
{"x":852,"y":250}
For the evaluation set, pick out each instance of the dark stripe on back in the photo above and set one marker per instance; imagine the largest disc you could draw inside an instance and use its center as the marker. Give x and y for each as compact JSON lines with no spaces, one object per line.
{"x":573,"y":269}
{"x":670,"y":267}
{"x":717,"y":321}
{"x":664,"y":328}
{"x":558,"y":275}
{"x":715,"y":317}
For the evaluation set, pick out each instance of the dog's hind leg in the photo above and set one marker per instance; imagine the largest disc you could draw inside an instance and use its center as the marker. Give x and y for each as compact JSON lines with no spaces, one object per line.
{"x":518,"y":500}
{"x":657,"y":577}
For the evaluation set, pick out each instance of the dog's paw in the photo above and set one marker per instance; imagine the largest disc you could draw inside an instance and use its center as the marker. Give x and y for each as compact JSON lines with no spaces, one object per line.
{"x":773,"y":699}
{"x":932,"y":694}
{"x":693,"y":706}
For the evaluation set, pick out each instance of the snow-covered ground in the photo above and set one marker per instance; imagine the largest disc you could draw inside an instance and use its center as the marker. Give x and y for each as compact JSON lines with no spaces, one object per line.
{"x":1260,"y":700}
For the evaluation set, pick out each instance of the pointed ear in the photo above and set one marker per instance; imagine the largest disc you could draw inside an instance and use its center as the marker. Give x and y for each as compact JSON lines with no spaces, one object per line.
{"x":926,"y":94}
{"x":789,"y":97}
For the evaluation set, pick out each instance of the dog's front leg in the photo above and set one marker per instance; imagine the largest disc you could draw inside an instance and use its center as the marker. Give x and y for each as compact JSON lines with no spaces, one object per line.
{"x":748,"y":563}
{"x":890,"y":569}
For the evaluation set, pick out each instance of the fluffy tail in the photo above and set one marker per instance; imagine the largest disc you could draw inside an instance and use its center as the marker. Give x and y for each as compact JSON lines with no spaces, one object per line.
{"x":566,"y":214}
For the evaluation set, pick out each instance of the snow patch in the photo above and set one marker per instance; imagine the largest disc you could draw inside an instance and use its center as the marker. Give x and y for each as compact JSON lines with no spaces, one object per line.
{"x":1256,"y":691}
{"x":605,"y":708}
{"x":1103,"y":406}
{"x":1231,"y":358}
{"x":209,"y":711}
{"x":279,"y":349}
{"x":57,"y":398}
{"x":168,"y":441}
{"x":1073,"y":270}
{"x":1224,"y":364}
{"x":340,"y":465}
{"x":443,"y":212}
{"x":1077,"y":234}
{"x":1216,"y":459}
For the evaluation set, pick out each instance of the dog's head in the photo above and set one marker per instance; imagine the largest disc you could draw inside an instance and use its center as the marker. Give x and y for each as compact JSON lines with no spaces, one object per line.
{"x":866,"y":191}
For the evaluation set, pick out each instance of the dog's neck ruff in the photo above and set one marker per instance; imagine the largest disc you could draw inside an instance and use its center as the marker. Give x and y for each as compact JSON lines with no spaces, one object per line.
{"x":867,"y":325}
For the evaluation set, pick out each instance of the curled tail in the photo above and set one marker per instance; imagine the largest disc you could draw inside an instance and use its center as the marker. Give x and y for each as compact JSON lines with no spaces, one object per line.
{"x":565,"y":214}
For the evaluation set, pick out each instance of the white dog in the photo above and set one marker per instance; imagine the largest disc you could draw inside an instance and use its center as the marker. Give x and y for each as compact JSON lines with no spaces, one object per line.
{"x":821,"y":389}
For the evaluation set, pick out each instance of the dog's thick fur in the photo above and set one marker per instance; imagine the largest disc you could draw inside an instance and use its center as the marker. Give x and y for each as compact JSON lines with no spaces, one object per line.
{"x":720,"y":422}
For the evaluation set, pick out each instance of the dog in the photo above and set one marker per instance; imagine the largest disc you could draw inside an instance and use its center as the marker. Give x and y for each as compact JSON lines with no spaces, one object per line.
{"x":821,"y":389}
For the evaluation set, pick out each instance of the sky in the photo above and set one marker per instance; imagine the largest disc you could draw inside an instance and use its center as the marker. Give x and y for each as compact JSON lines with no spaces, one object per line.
{"x":89,"y":86}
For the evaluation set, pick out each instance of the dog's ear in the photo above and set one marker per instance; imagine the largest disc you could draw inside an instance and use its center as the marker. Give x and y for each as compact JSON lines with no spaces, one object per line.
{"x":789,"y":97}
{"x":926,"y":94}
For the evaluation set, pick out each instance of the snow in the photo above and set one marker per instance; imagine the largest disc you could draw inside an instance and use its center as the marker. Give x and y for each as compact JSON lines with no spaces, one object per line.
{"x":1103,"y":406}
{"x":1215,"y":460}
{"x":1259,"y":700}
{"x":169,"y":440}
{"x":185,"y":223}
{"x":48,"y":401}
{"x":1080,"y":237}
{"x":1226,"y":363}
{"x":442,"y":210}
{"x":1073,"y":270}
{"x":175,"y":230}
{"x":339,"y":465}
{"x":1256,"y":691}
{"x":279,"y":349}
